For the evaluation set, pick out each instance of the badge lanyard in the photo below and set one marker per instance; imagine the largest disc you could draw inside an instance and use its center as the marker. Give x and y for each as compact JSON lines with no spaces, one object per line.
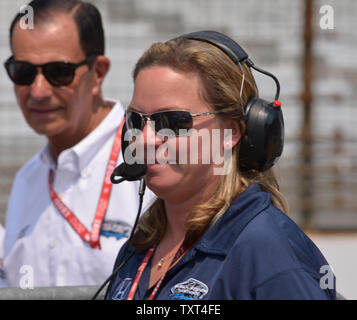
{"x":180,"y":252}
{"x":82,"y":231}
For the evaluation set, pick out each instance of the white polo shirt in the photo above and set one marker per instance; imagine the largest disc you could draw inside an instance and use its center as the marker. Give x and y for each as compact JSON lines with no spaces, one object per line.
{"x":40,"y":247}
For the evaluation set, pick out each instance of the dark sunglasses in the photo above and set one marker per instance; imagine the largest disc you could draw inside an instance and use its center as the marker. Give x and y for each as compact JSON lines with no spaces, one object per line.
{"x":175,"y":120}
{"x":57,"y":73}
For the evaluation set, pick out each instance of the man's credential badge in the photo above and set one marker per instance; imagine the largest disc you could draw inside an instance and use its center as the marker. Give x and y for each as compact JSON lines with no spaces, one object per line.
{"x":191,"y":289}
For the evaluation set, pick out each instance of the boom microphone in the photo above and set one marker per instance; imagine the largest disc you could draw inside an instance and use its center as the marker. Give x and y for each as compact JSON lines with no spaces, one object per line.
{"x":128,"y":172}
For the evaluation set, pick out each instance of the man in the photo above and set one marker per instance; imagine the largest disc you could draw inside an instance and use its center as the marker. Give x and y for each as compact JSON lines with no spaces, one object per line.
{"x":62,"y":228}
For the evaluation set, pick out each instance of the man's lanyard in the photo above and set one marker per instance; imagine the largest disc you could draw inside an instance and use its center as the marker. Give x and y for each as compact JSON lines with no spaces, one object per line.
{"x":82,"y":231}
{"x":180,"y":252}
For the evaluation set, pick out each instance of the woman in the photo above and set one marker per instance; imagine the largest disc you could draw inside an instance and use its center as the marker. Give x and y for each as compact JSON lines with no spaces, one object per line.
{"x":208,"y":236}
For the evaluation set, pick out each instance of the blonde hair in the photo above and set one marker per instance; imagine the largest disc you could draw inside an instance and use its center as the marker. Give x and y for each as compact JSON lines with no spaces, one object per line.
{"x":221,"y":82}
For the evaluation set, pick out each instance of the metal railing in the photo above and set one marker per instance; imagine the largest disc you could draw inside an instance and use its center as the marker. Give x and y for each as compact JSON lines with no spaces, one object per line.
{"x":64,"y":293}
{"x":51,"y":293}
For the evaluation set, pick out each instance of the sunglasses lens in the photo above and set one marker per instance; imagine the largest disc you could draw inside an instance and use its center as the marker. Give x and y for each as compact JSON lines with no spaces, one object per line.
{"x":133,"y":120}
{"x":58,"y":73}
{"x":21,"y":73}
{"x":173,"y":120}
{"x":24,"y":73}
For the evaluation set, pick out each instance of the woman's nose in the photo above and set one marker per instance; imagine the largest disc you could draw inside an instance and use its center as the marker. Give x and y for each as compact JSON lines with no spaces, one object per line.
{"x":149,"y":133}
{"x":150,"y":141}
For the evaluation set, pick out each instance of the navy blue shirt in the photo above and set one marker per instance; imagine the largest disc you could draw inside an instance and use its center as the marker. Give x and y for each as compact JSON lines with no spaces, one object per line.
{"x":254,"y":251}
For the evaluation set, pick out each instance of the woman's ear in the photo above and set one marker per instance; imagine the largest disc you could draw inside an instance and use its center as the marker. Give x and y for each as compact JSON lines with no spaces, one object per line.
{"x":234,"y":136}
{"x":100,"y":68}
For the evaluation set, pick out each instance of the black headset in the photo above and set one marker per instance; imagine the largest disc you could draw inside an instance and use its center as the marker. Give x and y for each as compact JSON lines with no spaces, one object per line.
{"x":263,"y":142}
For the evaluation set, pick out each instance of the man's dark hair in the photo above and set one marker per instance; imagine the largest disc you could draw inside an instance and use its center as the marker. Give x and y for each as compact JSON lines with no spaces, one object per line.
{"x":85,"y":15}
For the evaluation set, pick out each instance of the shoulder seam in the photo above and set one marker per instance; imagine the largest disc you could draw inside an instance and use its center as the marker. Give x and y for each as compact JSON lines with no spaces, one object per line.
{"x":291,"y":270}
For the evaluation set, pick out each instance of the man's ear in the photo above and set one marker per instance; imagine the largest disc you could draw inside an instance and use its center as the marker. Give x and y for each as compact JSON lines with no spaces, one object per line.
{"x":100,"y":68}
{"x":236,"y":134}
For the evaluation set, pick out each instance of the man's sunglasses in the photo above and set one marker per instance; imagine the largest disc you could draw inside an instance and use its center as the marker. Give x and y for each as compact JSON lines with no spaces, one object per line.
{"x":175,"y":120}
{"x":57,"y":73}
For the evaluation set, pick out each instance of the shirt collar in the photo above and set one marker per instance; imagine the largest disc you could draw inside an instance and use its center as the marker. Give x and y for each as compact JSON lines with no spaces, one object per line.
{"x":83,"y":152}
{"x":90,"y":145}
{"x":47,"y":157}
{"x":220,"y":238}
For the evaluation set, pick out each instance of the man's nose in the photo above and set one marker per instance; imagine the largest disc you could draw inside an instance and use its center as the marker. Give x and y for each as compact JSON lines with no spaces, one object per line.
{"x":40,"y":88}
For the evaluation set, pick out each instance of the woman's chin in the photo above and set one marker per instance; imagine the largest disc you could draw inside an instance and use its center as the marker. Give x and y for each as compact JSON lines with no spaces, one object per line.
{"x":161,"y":185}
{"x":160,"y":191}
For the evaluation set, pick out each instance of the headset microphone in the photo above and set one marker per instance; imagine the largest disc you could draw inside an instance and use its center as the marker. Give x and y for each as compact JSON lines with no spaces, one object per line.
{"x":128,"y":172}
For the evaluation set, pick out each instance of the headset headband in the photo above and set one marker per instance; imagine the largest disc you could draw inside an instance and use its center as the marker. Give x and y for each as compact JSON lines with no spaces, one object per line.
{"x":263,"y":141}
{"x":221,"y":41}
{"x":231,"y":48}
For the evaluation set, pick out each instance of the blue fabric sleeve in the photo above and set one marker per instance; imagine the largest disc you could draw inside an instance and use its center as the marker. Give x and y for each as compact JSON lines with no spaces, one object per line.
{"x":291,"y":285}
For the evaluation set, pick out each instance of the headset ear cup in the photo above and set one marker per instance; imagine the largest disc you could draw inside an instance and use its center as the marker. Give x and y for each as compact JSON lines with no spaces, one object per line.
{"x":263,"y":141}
{"x":251,"y":143}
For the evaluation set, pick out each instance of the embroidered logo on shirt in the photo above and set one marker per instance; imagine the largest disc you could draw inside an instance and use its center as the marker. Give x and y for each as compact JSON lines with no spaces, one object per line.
{"x":115,"y":229}
{"x":123,"y":289}
{"x":191,"y":289}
